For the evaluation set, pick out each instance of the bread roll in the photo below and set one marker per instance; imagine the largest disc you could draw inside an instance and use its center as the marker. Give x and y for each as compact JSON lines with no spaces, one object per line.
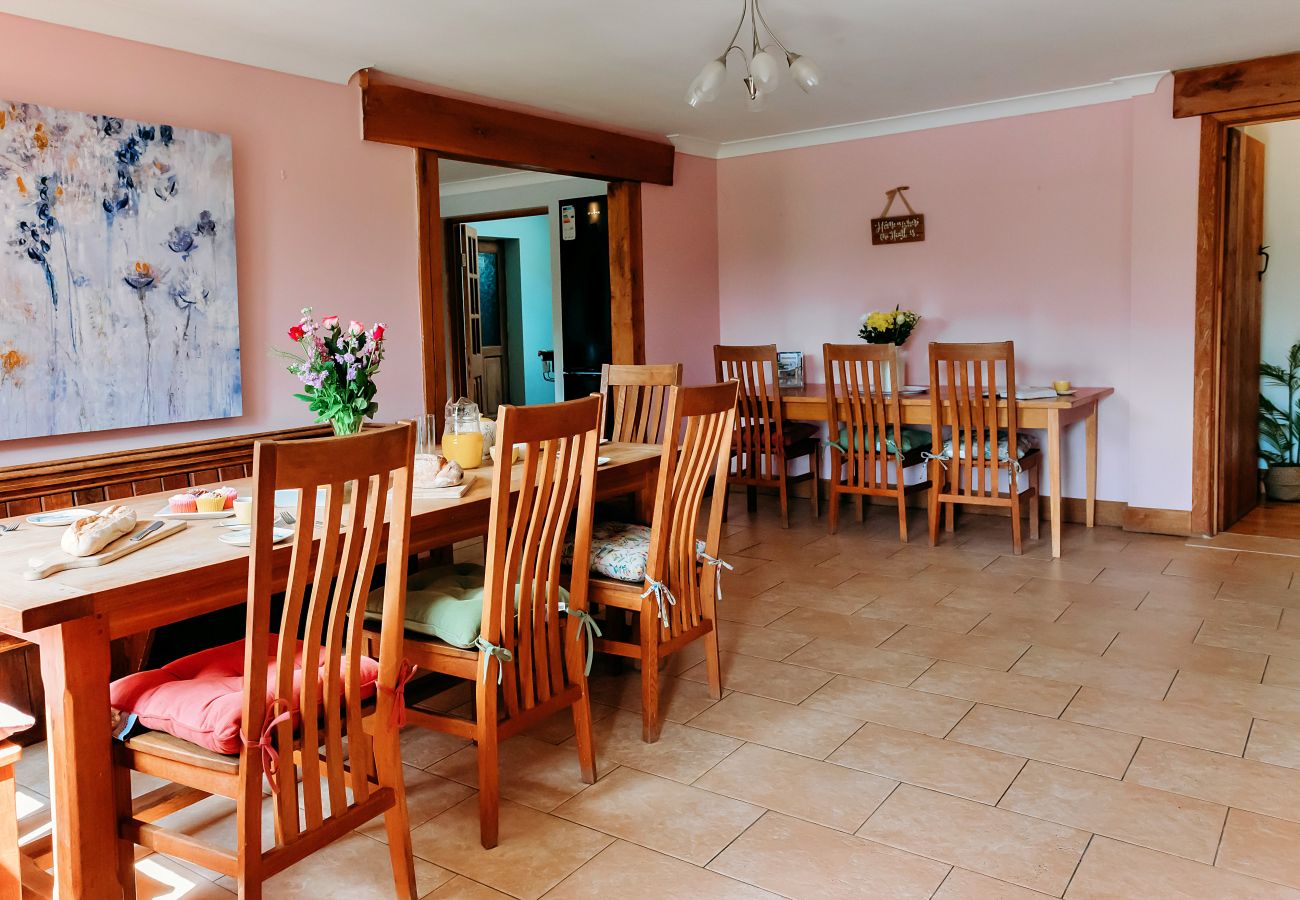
{"x":91,"y":534}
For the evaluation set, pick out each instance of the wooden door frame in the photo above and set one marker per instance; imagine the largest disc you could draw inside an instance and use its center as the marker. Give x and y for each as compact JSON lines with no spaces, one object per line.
{"x":1250,"y":92}
{"x":439,"y":126}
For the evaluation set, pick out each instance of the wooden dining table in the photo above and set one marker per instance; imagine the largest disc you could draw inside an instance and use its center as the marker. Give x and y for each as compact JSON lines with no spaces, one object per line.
{"x":74,"y":614}
{"x":1050,"y":414}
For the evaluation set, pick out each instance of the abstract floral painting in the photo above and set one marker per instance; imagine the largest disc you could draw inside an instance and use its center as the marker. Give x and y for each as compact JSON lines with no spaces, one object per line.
{"x":118,"y":302}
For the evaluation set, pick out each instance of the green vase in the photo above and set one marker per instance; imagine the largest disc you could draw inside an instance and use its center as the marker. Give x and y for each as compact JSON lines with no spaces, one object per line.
{"x":344,"y":427}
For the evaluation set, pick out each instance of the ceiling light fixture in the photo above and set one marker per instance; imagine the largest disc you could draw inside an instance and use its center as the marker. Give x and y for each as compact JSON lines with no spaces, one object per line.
{"x":762,"y":64}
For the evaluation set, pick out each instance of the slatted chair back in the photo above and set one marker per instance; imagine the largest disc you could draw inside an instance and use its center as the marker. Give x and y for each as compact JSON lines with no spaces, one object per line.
{"x":356,"y":474}
{"x":759,"y":441}
{"x":965,"y":380}
{"x":636,"y":398}
{"x":696,"y":449}
{"x":859,"y":409}
{"x":524,"y":613}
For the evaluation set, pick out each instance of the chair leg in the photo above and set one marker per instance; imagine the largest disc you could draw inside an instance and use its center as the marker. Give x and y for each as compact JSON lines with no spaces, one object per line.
{"x":832,"y":494}
{"x":713,"y":662}
{"x":815,"y":469}
{"x":10,"y":859}
{"x":726,"y":501}
{"x":751,"y":498}
{"x":933,"y":504}
{"x":902,"y":511}
{"x":950,"y":514}
{"x":1017,"y":536}
{"x":386,"y":758}
{"x":1035,"y":501}
{"x":860,"y":508}
{"x":125,"y":846}
{"x":489,"y":769}
{"x":784,"y":489}
{"x":582,"y":734}
{"x":651,"y":725}
{"x":249,"y":827}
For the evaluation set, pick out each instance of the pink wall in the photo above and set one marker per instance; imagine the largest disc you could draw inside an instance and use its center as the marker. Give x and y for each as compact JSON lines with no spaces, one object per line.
{"x":1035,"y":231}
{"x":322,"y":218}
{"x":680,"y":236}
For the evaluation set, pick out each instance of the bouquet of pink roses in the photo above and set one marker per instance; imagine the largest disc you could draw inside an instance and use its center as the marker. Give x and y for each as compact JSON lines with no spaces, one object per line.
{"x":337,"y":366}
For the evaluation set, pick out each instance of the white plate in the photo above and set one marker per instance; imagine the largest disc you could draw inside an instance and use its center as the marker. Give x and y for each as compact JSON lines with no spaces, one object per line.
{"x":168,"y":514}
{"x":58,"y":517}
{"x":243,"y":536}
{"x":913,"y":389}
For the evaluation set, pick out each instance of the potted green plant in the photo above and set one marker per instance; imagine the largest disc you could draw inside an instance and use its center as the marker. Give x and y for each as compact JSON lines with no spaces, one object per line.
{"x":1279,"y":429}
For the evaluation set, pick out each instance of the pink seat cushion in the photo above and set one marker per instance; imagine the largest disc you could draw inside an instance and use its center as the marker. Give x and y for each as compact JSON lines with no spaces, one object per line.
{"x":13,"y":721}
{"x":200,"y":698}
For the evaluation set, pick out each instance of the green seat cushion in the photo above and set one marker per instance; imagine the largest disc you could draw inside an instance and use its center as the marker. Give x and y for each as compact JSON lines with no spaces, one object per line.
{"x":909,"y":440}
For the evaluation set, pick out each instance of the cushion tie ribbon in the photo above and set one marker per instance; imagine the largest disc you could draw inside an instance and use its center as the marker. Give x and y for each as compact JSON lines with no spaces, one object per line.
{"x":718,"y":564}
{"x":266,"y":742}
{"x":940,"y":458}
{"x":663,"y":597}
{"x":501,"y":654}
{"x":405,"y":672}
{"x":591,"y":629}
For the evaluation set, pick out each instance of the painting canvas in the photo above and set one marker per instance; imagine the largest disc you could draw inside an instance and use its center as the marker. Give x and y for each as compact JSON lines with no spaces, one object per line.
{"x":118,"y":302}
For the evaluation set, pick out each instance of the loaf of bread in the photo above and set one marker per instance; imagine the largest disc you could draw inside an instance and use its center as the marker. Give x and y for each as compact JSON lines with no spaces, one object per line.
{"x":90,"y":534}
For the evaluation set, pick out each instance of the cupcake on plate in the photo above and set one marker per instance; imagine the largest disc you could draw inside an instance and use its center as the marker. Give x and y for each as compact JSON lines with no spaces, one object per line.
{"x":210,"y":501}
{"x":182,"y":503}
{"x":230,"y":494}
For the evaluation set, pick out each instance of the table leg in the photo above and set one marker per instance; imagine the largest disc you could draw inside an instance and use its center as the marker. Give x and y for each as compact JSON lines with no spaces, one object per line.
{"x":644,"y":499}
{"x":74,"y":666}
{"x":1091,"y":425}
{"x":1054,"y":484}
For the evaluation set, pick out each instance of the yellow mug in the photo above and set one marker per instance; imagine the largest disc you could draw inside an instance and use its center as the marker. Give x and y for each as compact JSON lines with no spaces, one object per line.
{"x":243,"y":510}
{"x":1060,"y":386}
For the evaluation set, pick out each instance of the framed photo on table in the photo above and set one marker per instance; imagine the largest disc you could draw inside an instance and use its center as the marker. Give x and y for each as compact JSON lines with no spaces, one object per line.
{"x":789,"y":369}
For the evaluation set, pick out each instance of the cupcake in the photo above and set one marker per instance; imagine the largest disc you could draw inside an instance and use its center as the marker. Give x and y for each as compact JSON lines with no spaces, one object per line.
{"x":182,"y":503}
{"x":210,"y":501}
{"x":230,"y":494}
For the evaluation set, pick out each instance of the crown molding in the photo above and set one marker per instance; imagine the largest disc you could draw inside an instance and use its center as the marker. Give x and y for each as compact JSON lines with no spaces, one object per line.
{"x":1123,"y":88}
{"x":497,"y":182}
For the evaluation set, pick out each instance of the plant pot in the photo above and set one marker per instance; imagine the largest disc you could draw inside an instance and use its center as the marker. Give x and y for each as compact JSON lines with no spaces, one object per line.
{"x":1282,"y":483}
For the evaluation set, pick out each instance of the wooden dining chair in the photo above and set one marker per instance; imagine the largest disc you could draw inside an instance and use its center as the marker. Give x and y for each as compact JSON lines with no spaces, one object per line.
{"x":675,"y":599}
{"x":12,"y":864}
{"x":984,"y":441}
{"x":635,"y":396}
{"x":867,"y":435}
{"x":528,"y":649}
{"x":290,"y":727}
{"x":765,"y":444}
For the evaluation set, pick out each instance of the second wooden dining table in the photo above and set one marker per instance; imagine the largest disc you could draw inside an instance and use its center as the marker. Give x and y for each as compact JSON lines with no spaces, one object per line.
{"x":74,"y":614}
{"x":1050,"y":414}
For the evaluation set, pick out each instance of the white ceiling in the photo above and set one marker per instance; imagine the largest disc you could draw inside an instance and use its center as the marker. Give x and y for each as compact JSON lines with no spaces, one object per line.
{"x":628,"y":63}
{"x":452,"y":171}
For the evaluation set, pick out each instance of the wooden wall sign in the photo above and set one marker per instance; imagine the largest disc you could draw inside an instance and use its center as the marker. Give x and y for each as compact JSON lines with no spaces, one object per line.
{"x":889,"y":229}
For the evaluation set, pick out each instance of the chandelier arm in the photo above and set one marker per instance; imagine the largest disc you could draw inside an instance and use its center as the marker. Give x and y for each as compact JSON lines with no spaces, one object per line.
{"x":744,"y":8}
{"x":768,"y":29}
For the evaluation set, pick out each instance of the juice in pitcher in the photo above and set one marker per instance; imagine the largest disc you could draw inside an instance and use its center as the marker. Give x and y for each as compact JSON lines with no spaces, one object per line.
{"x":462,"y":437}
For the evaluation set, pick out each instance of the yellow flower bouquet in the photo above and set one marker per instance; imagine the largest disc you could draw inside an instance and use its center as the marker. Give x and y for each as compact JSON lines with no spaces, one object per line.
{"x":889,"y":327}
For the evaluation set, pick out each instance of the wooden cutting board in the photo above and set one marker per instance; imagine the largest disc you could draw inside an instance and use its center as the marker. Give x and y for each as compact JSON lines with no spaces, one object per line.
{"x":43,"y":567}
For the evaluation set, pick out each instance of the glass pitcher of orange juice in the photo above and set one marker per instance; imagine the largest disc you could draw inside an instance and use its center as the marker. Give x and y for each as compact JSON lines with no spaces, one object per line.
{"x":462,"y":438}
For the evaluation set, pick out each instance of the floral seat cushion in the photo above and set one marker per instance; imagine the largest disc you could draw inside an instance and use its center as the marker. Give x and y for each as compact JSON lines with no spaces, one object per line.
{"x":1024,"y":443}
{"x":909,"y":439}
{"x":620,"y":551}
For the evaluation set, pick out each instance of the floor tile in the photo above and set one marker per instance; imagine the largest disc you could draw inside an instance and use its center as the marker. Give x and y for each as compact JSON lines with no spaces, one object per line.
{"x":973,"y":650}
{"x":826,"y":574}
{"x":837,"y":626}
{"x":930,"y":762}
{"x":462,"y":888}
{"x":682,"y":753}
{"x":943,"y":618}
{"x":427,"y":795}
{"x":1215,"y":777}
{"x":763,"y":677}
{"x":886,"y":704}
{"x":1123,"y":810}
{"x":1177,"y":653}
{"x":1283,"y":672}
{"x":683,"y":821}
{"x":558,"y":727}
{"x":881,"y":564}
{"x":1098,"y":595}
{"x":993,"y":581}
{"x":1166,"y":585}
{"x":536,"y":851}
{"x":766,"y":643}
{"x":752,"y":610}
{"x":1112,"y":870}
{"x":1191,"y":724}
{"x":1261,"y":846}
{"x":805,"y":730}
{"x":888,"y":666}
{"x":1236,"y":612}
{"x":950,"y":557}
{"x":796,"y":550}
{"x":1048,"y":740}
{"x":1017,"y":605}
{"x":1162,"y":625}
{"x":1288,"y":599}
{"x":626,"y":870}
{"x":1072,"y":667}
{"x":808,"y":789}
{"x":1263,"y":700}
{"x":422,"y":747}
{"x":532,"y":772}
{"x":985,"y":839}
{"x":845,"y":599}
{"x":1245,"y":637}
{"x":679,"y":700}
{"x":1261,"y":570}
{"x":1065,"y":569}
{"x":158,"y":877}
{"x":1091,"y":639}
{"x":1274,"y":742}
{"x":963,"y":885}
{"x":1036,"y":695}
{"x":801,"y":860}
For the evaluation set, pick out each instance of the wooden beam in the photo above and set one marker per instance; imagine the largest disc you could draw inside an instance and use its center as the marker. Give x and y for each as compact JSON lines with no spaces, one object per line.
{"x":461,"y":129}
{"x":433,"y":303}
{"x":1205,"y":368}
{"x":1237,"y":85}
{"x":626,"y":273}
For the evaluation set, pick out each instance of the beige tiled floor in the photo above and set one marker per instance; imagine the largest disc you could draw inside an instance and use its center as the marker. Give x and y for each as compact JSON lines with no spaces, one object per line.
{"x":899,"y":721}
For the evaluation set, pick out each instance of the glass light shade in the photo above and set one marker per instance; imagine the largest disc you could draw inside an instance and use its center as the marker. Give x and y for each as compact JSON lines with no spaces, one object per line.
{"x":804,"y":72}
{"x":710,"y":79}
{"x":766,"y":70}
